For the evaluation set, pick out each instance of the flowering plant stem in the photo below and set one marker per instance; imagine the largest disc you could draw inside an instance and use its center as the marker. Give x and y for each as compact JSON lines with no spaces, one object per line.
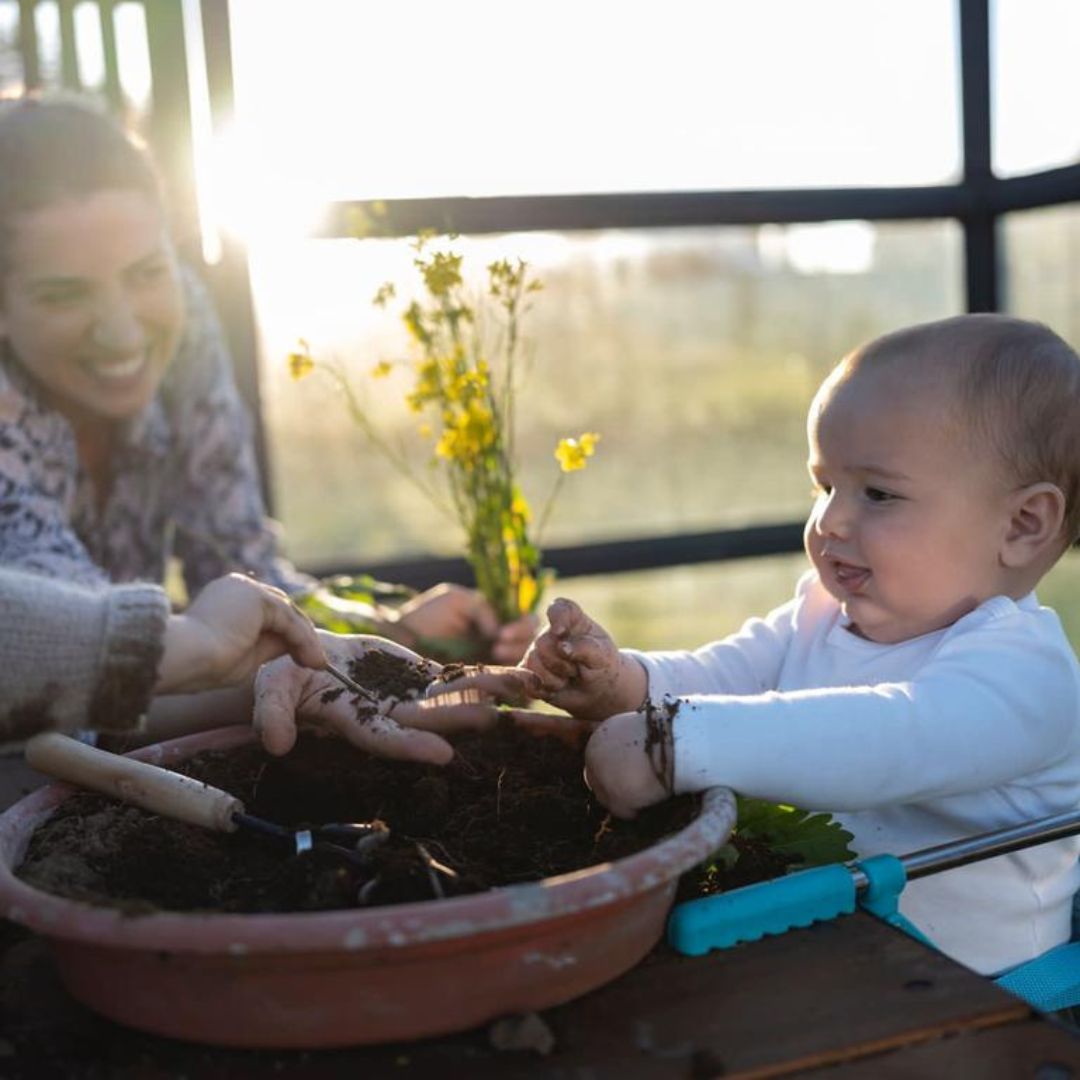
{"x":464,"y":388}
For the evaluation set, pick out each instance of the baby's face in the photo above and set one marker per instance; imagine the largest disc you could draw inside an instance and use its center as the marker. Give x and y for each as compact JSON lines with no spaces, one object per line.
{"x":908,"y":521}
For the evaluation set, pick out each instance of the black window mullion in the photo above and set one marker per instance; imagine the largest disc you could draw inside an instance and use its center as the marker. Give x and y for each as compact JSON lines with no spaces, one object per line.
{"x":643,"y":210}
{"x":69,"y":63}
{"x":28,"y":45}
{"x":980,"y":222}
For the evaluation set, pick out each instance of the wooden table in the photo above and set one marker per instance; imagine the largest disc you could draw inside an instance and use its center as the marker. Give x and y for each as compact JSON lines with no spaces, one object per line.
{"x":852,"y":996}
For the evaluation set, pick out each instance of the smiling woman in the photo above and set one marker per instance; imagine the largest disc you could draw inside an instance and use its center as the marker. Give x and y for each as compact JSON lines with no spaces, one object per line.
{"x":124,"y":439}
{"x":94,"y":303}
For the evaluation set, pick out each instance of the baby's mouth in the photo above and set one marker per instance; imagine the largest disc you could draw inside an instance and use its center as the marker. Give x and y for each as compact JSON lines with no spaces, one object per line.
{"x":848,"y":576}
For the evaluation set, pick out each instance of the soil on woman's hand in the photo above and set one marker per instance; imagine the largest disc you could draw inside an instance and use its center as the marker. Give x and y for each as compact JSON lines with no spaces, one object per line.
{"x":510,"y":807}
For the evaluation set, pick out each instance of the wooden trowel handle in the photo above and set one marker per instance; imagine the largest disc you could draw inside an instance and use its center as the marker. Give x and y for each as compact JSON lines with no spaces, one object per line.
{"x":158,"y":790}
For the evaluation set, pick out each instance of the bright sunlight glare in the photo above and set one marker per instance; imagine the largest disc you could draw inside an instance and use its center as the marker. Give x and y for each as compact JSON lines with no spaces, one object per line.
{"x":341,"y":100}
{"x":336,"y":99}
{"x":289,"y":205}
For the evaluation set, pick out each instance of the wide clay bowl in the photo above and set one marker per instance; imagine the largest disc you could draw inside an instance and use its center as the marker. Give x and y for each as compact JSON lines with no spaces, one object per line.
{"x":320,"y":979}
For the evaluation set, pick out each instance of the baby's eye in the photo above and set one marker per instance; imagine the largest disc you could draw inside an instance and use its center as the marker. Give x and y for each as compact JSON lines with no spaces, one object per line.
{"x":876,"y":495}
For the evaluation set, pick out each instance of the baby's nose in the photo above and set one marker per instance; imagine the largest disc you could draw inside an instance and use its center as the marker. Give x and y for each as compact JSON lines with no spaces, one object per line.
{"x":833,"y":518}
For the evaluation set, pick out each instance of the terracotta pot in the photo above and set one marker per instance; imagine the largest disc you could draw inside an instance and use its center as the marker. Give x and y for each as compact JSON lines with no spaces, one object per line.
{"x":357,"y":976}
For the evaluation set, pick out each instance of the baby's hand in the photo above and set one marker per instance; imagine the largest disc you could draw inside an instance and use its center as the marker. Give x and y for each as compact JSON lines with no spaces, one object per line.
{"x":629,"y":761}
{"x":581,"y":669}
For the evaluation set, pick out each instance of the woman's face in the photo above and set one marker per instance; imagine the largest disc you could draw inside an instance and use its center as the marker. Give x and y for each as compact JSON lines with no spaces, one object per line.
{"x":91,"y":304}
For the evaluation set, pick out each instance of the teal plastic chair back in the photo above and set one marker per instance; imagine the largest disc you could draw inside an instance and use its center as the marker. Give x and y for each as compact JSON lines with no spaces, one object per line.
{"x":1048,"y":983}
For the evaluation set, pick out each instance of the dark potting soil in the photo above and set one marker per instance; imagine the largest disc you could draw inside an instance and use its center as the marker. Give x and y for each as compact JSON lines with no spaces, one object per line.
{"x":510,"y":807}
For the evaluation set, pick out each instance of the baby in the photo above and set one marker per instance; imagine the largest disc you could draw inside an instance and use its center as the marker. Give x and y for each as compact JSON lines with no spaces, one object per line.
{"x":914,"y":686}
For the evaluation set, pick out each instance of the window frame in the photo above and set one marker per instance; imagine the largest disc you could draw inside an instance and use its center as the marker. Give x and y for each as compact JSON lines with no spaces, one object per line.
{"x":976,"y":203}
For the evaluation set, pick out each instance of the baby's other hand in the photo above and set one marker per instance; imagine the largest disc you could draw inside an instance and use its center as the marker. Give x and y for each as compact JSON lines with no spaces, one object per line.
{"x":629,"y":762}
{"x":580,"y":667}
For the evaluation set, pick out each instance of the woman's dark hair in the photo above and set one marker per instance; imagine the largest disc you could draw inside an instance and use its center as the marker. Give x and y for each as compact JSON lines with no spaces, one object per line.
{"x":56,"y":149}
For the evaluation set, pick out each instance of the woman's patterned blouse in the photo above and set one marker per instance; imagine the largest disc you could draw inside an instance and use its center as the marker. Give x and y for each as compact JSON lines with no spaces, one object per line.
{"x":184,"y":478}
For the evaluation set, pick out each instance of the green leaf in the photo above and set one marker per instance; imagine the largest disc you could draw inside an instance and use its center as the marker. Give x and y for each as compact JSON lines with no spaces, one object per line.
{"x":365,"y":588}
{"x":814,"y":839}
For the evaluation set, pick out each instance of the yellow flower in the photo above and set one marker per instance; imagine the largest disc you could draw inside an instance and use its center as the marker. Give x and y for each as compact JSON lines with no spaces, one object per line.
{"x":300,"y":361}
{"x":381,"y":369}
{"x":426,"y":388}
{"x":513,"y":555}
{"x":474,"y":432}
{"x":519,"y":508}
{"x":447,"y":445}
{"x":441,"y":272}
{"x":572,"y":454}
{"x":528,"y":590}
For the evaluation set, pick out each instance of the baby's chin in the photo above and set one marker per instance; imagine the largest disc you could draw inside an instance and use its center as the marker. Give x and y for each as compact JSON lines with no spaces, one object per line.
{"x":887,"y":631}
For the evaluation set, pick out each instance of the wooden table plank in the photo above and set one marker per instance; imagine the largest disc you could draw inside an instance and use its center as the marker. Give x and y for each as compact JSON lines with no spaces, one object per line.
{"x":1036,"y":1049}
{"x":835,"y":993}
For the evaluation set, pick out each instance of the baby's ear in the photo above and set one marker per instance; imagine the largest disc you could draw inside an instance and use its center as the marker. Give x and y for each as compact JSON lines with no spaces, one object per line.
{"x":1037,"y":514}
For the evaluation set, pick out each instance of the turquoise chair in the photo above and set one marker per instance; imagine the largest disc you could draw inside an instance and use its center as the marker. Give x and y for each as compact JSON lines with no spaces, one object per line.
{"x":1049,"y":982}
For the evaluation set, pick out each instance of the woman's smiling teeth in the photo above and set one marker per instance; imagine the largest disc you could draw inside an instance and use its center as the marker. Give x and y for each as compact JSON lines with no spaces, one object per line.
{"x":118,"y":369}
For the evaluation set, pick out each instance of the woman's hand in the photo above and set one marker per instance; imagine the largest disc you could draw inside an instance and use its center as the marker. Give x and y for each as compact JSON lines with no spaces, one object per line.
{"x":231,"y":628}
{"x":452,"y":611}
{"x":288,"y":697}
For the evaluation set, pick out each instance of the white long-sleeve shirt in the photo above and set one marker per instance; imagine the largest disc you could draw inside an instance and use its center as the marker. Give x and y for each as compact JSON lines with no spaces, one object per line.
{"x":967,"y":729}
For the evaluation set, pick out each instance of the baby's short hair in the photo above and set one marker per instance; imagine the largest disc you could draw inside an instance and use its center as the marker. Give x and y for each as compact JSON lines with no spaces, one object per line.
{"x":1016,"y":386}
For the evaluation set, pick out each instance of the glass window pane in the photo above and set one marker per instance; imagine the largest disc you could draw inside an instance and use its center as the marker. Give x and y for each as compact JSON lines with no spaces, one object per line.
{"x":11,"y":81}
{"x":477,"y":98}
{"x":685,"y":606}
{"x":1042,"y":263}
{"x":693,"y":352}
{"x":47,"y":25}
{"x":1060,"y":589}
{"x":1036,"y":84}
